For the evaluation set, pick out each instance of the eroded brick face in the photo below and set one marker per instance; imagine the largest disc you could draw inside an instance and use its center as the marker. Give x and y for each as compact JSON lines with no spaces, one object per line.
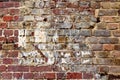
{"x":59,"y":39}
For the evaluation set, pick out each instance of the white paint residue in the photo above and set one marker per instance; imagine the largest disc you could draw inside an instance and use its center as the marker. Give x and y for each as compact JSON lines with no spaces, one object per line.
{"x":63,"y":60}
{"x":85,"y":53}
{"x":85,"y":61}
{"x":55,"y":37}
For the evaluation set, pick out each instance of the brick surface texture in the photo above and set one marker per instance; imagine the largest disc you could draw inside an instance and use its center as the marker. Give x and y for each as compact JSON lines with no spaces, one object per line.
{"x":59,"y":39}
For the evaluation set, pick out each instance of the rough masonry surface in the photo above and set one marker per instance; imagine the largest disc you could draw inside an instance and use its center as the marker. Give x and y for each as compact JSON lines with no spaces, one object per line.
{"x":59,"y":39}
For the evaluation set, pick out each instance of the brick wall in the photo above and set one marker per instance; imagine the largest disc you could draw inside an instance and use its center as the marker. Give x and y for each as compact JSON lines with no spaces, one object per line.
{"x":59,"y":39}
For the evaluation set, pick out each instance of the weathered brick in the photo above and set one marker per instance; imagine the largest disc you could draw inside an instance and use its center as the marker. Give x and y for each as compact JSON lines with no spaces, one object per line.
{"x":108,"y":40}
{"x":8,"y":46}
{"x":14,"y":11}
{"x":40,"y":68}
{"x":7,"y":61}
{"x":105,"y":5}
{"x":108,"y":12}
{"x":87,"y":75}
{"x":17,"y":75}
{"x":12,"y":53}
{"x":8,"y":18}
{"x":114,"y":77}
{"x":2,"y":68}
{"x":3,"y":25}
{"x":110,"y":19}
{"x":116,"y":33}
{"x":103,"y":69}
{"x":6,"y":75}
{"x":114,"y":69}
{"x":103,"y":61}
{"x":8,"y":32}
{"x":113,"y":26}
{"x":73,"y":75}
{"x":117,"y":62}
{"x":28,"y":75}
{"x":115,"y":54}
{"x":96,"y":47}
{"x":108,"y":47}
{"x":101,"y":54}
{"x":61,"y":75}
{"x":102,"y":33}
{"x":50,"y":75}
{"x":117,"y":47}
{"x":92,"y":40}
{"x":38,"y":75}
{"x":86,"y":32}
{"x":18,"y":68}
{"x":102,"y":25}
{"x":2,"y":39}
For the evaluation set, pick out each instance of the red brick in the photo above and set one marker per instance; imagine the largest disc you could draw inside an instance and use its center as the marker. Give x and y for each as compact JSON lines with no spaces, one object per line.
{"x":1,"y":4}
{"x":73,"y":75}
{"x":8,"y":18}
{"x":108,"y":47}
{"x":38,"y":75}
{"x":2,"y":68}
{"x":18,"y":68}
{"x":49,"y":75}
{"x":8,"y":32}
{"x":17,"y":4}
{"x":87,"y":75}
{"x":2,"y":39}
{"x":14,"y":11}
{"x":12,"y":53}
{"x":28,"y":75}
{"x":12,"y":39}
{"x":40,"y":68}
{"x":3,"y":25}
{"x":7,"y":61}
{"x":17,"y":75}
{"x":16,"y":33}
{"x":16,"y":47}
{"x":15,"y":18}
{"x":6,"y":75}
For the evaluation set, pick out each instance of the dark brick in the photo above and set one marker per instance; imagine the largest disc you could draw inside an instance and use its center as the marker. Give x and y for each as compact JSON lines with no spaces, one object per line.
{"x":108,"y":40}
{"x":102,"y":33}
{"x":73,"y":75}
{"x":113,"y":77}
